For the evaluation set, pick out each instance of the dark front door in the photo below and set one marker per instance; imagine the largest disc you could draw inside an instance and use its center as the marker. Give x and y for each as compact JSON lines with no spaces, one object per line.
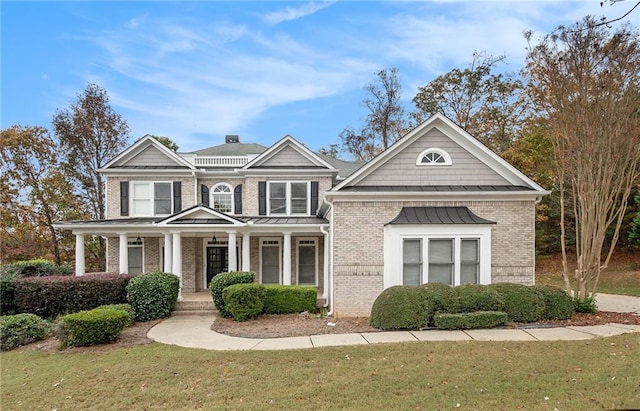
{"x":217,"y":261}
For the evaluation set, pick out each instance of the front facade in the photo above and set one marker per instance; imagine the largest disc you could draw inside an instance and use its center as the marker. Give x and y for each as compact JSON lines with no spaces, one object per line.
{"x":437,"y":206}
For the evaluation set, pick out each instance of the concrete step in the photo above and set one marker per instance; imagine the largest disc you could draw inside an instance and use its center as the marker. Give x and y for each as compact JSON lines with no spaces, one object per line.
{"x":194,"y":308}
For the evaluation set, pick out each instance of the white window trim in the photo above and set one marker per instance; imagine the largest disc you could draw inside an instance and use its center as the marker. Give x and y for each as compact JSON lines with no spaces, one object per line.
{"x":444,"y":154}
{"x":151,"y":211}
{"x":141,"y":246}
{"x":212,"y":192}
{"x":299,"y":240}
{"x":279,"y":245}
{"x":222,"y":242}
{"x":288,"y":198}
{"x":394,"y":236}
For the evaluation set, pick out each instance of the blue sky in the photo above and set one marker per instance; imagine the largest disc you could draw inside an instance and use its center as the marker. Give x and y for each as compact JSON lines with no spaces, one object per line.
{"x":195,"y":71}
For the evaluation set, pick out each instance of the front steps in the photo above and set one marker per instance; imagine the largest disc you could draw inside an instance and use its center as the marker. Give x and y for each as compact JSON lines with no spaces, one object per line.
{"x":203,"y":308}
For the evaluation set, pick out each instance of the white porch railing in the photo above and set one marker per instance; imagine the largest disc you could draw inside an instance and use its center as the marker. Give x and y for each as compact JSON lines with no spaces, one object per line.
{"x":220,"y":161}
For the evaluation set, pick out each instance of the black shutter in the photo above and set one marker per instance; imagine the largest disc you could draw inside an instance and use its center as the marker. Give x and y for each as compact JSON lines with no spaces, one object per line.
{"x":314,"y":197}
{"x":237,"y":199}
{"x":262,"y":197}
{"x":177,"y":196}
{"x":204,"y":195}
{"x":124,"y":198}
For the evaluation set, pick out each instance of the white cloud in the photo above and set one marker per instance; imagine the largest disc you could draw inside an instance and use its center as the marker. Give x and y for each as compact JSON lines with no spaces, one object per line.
{"x":293,"y":13}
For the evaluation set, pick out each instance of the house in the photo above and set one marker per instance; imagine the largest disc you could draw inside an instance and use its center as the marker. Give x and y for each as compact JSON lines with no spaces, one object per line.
{"x":437,"y":206}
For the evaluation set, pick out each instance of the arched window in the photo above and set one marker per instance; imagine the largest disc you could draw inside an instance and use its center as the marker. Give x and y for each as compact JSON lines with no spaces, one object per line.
{"x":433,"y":157}
{"x":222,"y":198}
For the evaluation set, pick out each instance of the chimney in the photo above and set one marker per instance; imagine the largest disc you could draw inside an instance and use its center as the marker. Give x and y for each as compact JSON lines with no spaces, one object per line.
{"x":231,"y":138}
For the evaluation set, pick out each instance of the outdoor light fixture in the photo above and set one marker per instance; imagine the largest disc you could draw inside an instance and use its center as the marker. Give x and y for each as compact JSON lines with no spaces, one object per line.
{"x":214,"y":240}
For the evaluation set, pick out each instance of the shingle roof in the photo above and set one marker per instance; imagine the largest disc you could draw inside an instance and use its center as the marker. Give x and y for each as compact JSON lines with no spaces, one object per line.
{"x":231,"y":149}
{"x":438,"y":215}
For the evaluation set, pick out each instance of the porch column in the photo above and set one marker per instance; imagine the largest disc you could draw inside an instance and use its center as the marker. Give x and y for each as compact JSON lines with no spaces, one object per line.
{"x":176,"y":261}
{"x":286,"y":259}
{"x":80,"y":254}
{"x":123,"y":255}
{"x":168,"y":267}
{"x":233,"y":257}
{"x":246,"y":252}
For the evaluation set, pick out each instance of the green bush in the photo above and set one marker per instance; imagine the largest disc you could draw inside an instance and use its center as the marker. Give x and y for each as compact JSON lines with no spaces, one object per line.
{"x":21,"y":329}
{"x":37,"y":268}
{"x":287,"y":299}
{"x":244,"y":301}
{"x":401,"y":307}
{"x":124,"y":307}
{"x":97,"y":326}
{"x":153,"y":295}
{"x":222,"y":281}
{"x":589,"y":305}
{"x":465,"y":321}
{"x":478,"y":297}
{"x":8,"y":292}
{"x":49,"y":297}
{"x":522,"y":304}
{"x":558,"y":304}
{"x":444,"y":298}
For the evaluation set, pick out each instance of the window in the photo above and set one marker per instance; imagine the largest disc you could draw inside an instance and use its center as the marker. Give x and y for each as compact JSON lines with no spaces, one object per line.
{"x":270,"y":261}
{"x":151,"y":198}
{"x":434,"y":157}
{"x":288,"y":198}
{"x":441,"y":261}
{"x":412,"y":261}
{"x":469,"y":261}
{"x":135,"y":257}
{"x":307,"y":262}
{"x":222,"y":198}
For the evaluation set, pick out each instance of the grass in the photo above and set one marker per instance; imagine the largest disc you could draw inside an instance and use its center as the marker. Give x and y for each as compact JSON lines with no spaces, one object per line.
{"x":600,"y":373}
{"x":621,"y":277}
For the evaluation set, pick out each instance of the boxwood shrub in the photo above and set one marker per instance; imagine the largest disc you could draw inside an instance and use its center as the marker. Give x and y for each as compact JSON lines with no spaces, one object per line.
{"x":124,"y":307}
{"x":97,"y":326}
{"x":222,"y":281}
{"x":288,"y":299}
{"x":558,"y":305}
{"x":522,"y":303}
{"x":153,"y":295}
{"x":443,"y":297}
{"x":51,"y":296}
{"x":8,"y":292}
{"x":244,"y":301}
{"x":21,"y":329}
{"x":465,"y":321}
{"x":478,"y":297}
{"x":401,"y":307}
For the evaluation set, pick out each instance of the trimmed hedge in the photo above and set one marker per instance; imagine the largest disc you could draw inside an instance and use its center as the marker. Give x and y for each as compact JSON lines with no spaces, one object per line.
{"x":124,"y":307}
{"x":21,"y":329}
{"x":401,"y":307}
{"x":244,"y":301}
{"x":558,"y":304}
{"x":289,"y":299}
{"x":224,"y":280}
{"x":153,"y":295}
{"x":8,"y":292}
{"x":522,"y":304}
{"x":51,"y":296}
{"x":97,"y":326}
{"x":479,"y":297}
{"x":443,"y":298}
{"x":36,"y":268}
{"x":465,"y":321}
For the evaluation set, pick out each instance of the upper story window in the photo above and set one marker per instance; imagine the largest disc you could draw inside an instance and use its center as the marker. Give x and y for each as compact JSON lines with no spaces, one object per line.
{"x":222,"y":198}
{"x":151,"y":198}
{"x":434,"y":157}
{"x":288,"y":198}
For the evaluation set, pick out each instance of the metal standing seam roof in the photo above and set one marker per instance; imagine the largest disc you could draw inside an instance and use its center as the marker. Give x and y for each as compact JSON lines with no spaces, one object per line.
{"x":438,"y":215}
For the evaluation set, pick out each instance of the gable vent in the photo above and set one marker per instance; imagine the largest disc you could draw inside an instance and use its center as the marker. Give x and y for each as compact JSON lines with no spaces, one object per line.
{"x":231,"y":138}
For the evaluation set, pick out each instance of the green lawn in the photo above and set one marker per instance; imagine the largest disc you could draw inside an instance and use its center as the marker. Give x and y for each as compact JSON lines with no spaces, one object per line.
{"x":600,"y":373}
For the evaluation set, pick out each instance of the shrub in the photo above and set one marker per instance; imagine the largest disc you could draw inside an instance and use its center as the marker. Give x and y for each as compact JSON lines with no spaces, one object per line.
{"x":21,"y":329}
{"x":97,"y":326}
{"x":222,"y":281}
{"x":589,"y":305}
{"x":153,"y":295}
{"x":558,"y":305}
{"x":8,"y":292}
{"x":37,"y":268}
{"x":401,"y":307}
{"x":287,"y":299}
{"x":478,"y":297}
{"x":49,"y":297}
{"x":521,"y":303}
{"x":244,"y":301}
{"x":465,"y":321}
{"x":124,"y":307}
{"x":444,"y":298}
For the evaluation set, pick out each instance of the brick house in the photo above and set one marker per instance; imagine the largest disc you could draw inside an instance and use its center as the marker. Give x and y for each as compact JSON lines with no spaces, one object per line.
{"x":437,"y":206}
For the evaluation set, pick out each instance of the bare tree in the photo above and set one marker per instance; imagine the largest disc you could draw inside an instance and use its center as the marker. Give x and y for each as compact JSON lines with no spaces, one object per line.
{"x":586,"y":80}
{"x":385,"y":122}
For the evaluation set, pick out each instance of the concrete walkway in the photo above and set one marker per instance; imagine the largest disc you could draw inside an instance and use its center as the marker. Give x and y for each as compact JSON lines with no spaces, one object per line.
{"x":195,"y":332}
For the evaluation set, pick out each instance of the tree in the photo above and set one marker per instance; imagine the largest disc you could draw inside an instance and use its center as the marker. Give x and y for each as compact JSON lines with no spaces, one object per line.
{"x":168,"y":143}
{"x":385,"y":122}
{"x":90,"y":134}
{"x":634,"y":232}
{"x":586,"y":81}
{"x":34,"y":195}
{"x":331,"y":151}
{"x":489,"y":106}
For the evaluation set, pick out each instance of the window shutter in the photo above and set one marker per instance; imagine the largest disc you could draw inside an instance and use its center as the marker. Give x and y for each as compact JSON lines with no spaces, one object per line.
{"x":177,"y":196}
{"x":124,"y":198}
{"x":204,"y":195}
{"x":262,"y":197}
{"x":237,"y":199}
{"x":314,"y":197}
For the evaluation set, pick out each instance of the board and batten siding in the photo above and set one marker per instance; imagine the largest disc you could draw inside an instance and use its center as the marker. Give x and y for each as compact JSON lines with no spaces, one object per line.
{"x":402,"y":169}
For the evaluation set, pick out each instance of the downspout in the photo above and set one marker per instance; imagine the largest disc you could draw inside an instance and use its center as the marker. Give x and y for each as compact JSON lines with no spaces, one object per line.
{"x":329,"y":277}
{"x":325,"y":269}
{"x":536,"y":202}
{"x":195,"y":187}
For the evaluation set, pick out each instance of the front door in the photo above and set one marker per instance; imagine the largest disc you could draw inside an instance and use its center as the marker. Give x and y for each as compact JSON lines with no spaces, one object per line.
{"x":217,"y":261}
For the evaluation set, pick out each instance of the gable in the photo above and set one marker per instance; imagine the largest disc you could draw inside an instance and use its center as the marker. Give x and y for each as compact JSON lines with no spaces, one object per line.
{"x":150,"y":156}
{"x":288,"y":153}
{"x":401,"y":169}
{"x":288,"y":157}
{"x":147,"y":152}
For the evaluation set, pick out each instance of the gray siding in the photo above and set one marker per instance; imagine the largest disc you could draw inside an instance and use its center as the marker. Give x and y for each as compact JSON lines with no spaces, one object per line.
{"x":402,"y":169}
{"x":288,"y":157}
{"x":151,"y":156}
